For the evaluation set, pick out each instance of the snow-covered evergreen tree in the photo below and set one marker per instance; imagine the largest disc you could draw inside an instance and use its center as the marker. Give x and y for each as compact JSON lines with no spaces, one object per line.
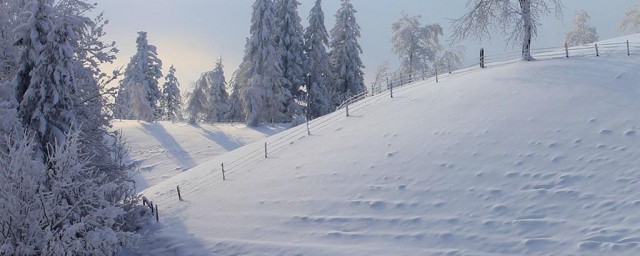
{"x":61,"y":196}
{"x":235,"y":113}
{"x":139,"y":106}
{"x":518,"y":19}
{"x":10,"y":19}
{"x":171,"y":99}
{"x":45,"y":92}
{"x":416,"y":45}
{"x":317,"y":66}
{"x":218,"y":98}
{"x":266,"y":97}
{"x":582,"y":33}
{"x":631,"y":21}
{"x":106,"y":149}
{"x":145,"y":68}
{"x":291,"y":45}
{"x":345,"y":54}
{"x":197,"y":103}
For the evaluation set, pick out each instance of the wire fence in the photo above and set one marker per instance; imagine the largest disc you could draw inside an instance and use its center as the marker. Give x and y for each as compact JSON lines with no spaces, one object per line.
{"x":257,"y":152}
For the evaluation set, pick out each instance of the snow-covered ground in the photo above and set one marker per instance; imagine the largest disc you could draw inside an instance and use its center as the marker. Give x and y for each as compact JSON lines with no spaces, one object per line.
{"x":164,"y":149}
{"x":536,"y":158}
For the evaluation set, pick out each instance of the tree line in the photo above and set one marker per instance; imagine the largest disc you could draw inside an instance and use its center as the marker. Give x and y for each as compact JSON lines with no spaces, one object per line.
{"x":287,"y":72}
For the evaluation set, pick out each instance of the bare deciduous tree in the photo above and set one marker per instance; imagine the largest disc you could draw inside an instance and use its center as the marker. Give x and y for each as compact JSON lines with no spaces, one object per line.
{"x":582,"y":33}
{"x":416,"y":45}
{"x":518,"y":19}
{"x":631,"y":20}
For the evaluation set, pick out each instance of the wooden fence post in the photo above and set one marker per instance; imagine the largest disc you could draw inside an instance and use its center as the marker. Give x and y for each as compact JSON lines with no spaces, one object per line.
{"x":265,"y":150}
{"x":390,"y":87}
{"x":157,"y":214}
{"x":222,"y":167}
{"x":566,"y":50}
{"x":628,"y":50}
{"x":481,"y":57}
{"x":597,"y":52}
{"x":436,"y":75}
{"x":347,"y":107}
{"x":179,"y":195}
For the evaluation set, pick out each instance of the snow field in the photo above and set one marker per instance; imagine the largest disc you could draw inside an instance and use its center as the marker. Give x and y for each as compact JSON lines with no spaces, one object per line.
{"x":535,"y":158}
{"x":164,"y":149}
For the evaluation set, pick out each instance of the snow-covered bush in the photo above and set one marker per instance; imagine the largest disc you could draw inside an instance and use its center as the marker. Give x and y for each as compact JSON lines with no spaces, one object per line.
{"x":57,"y":207}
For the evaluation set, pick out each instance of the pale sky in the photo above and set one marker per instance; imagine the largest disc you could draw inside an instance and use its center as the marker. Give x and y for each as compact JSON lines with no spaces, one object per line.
{"x":192,"y":34}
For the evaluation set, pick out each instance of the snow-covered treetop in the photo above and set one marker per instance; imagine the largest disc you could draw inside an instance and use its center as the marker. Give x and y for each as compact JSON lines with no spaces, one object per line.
{"x":582,"y":33}
{"x":415,"y":44}
{"x":316,"y":34}
{"x":345,"y":52}
{"x":631,"y":20}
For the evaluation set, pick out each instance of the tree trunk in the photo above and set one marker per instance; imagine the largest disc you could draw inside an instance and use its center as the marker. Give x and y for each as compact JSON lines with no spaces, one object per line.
{"x":525,"y":6}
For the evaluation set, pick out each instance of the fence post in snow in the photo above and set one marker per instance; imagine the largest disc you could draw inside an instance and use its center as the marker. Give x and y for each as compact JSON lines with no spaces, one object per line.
{"x":597,"y":52}
{"x":347,"y":107}
{"x":179,"y":195}
{"x":265,"y":150}
{"x":307,"y":111}
{"x":436,"y":75}
{"x":390,"y":85}
{"x":628,"y":51}
{"x":566,"y":49}
{"x":157,"y":214}
{"x":222,"y":167}
{"x":482,"y":57}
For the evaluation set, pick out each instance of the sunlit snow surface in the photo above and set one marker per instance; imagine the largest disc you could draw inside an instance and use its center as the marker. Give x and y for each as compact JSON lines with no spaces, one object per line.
{"x":539,"y":158}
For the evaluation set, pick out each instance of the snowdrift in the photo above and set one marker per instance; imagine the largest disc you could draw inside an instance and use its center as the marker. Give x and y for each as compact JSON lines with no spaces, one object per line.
{"x":536,"y":158}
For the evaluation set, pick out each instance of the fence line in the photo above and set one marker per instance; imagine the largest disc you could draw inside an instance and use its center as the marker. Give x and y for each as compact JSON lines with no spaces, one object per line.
{"x":399,"y":83}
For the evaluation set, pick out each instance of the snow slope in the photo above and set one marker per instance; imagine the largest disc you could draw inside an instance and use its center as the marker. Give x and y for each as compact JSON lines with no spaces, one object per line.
{"x":536,"y":158}
{"x":164,"y":149}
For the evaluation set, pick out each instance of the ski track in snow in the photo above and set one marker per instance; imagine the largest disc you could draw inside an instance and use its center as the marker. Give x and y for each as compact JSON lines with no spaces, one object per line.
{"x":536,"y":158}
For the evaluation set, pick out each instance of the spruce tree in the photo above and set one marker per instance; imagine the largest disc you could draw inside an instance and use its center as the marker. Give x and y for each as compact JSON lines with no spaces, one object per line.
{"x":317,"y":66}
{"x":345,"y":54}
{"x":218,"y":98}
{"x":291,"y":45}
{"x":46,"y":84}
{"x":9,"y":52}
{"x":235,"y":113}
{"x":265,"y":96}
{"x":144,"y":69}
{"x":71,"y":183}
{"x":171,"y":99}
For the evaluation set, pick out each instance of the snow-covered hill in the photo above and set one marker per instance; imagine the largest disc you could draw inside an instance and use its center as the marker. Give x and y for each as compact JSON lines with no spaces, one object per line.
{"x":165,"y":149}
{"x":538,"y":158}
